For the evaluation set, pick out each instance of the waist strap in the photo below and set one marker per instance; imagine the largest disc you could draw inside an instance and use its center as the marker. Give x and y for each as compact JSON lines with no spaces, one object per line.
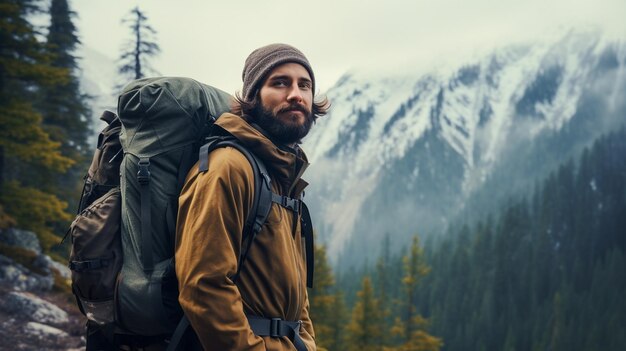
{"x":276,"y":327}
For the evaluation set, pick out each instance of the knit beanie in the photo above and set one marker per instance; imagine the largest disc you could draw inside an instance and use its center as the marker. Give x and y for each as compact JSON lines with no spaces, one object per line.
{"x":263,"y":60}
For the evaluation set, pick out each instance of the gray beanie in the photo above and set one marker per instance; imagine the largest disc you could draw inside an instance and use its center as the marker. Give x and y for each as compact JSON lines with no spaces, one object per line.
{"x":263,"y":60}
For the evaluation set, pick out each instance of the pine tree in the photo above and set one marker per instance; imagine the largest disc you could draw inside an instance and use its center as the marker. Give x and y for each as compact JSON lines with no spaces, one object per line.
{"x":412,"y":327}
{"x":363,"y":331}
{"x":322,"y":299}
{"x":66,"y":114}
{"x":64,"y":107}
{"x":557,"y":324}
{"x":26,"y":150}
{"x":134,"y":62}
{"x":383,"y":278}
{"x":338,"y":320}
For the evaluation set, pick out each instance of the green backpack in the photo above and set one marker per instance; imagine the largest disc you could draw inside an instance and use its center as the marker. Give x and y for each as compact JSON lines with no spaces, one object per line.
{"x":164,"y":121}
{"x":123,"y":273}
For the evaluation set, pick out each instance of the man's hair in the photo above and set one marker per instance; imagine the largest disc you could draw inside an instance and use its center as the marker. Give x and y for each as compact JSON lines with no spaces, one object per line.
{"x":246,"y":109}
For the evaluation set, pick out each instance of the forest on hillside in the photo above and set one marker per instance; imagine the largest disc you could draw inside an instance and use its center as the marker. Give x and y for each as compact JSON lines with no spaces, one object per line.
{"x":545,"y":272}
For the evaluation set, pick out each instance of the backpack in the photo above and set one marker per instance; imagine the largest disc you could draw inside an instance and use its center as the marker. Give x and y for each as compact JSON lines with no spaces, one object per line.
{"x":96,"y":250}
{"x":123,"y":270}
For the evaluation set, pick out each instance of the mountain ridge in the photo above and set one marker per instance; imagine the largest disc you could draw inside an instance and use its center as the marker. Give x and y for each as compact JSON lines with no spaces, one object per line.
{"x":455,"y":124}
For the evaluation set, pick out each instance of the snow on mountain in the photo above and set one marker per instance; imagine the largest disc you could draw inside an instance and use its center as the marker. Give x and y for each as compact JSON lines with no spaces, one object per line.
{"x":388,"y":143}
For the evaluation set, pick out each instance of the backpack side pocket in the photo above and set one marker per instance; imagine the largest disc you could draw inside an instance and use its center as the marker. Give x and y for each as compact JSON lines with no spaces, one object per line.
{"x":96,"y":256}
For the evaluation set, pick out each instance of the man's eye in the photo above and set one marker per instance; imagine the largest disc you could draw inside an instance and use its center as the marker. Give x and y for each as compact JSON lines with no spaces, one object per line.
{"x":279,"y":83}
{"x":305,"y":85}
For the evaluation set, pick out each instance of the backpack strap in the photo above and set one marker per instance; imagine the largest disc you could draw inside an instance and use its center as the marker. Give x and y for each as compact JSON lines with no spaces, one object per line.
{"x":276,"y":328}
{"x":181,"y":335}
{"x":298,"y":206}
{"x":294,"y":205}
{"x":307,"y":231}
{"x":262,"y":202}
{"x":143,"y":177}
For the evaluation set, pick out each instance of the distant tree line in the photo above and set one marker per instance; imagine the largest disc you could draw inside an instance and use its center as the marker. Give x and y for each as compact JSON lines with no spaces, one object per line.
{"x":547,"y":272}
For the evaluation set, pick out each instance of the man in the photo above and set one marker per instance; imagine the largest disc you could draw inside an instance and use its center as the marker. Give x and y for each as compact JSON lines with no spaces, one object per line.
{"x":274,"y":112}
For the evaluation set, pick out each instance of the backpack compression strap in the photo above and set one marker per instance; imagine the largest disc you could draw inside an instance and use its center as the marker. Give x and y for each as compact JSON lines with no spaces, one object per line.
{"x":143,"y":178}
{"x":276,"y":327}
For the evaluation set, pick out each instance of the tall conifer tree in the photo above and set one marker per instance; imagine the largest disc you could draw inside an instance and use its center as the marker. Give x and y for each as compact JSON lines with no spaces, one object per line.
{"x":322,"y":299}
{"x":25,"y":148}
{"x":412,"y":326}
{"x":363,"y":331}
{"x":66,"y":113}
{"x":338,"y":320}
{"x":134,"y":60}
{"x":64,"y":106}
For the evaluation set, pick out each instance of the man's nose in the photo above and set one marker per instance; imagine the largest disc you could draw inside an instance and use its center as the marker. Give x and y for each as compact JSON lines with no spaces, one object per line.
{"x":295,"y":94}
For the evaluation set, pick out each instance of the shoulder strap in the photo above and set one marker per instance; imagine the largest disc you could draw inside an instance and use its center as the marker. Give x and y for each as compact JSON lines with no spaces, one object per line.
{"x":307,"y":232}
{"x":262,"y":202}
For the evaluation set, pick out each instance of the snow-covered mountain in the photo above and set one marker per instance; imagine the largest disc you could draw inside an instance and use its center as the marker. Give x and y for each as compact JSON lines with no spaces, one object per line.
{"x":407,"y":154}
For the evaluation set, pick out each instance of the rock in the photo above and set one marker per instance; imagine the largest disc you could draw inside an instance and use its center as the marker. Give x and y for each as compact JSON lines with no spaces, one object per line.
{"x":6,"y":324}
{"x":21,"y":278}
{"x":31,"y":307}
{"x":43,"y":331}
{"x":48,"y":264}
{"x":21,"y":238}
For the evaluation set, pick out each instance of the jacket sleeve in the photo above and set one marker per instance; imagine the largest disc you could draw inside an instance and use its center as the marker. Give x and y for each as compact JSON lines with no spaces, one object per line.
{"x":213,"y":207}
{"x":306,"y":333}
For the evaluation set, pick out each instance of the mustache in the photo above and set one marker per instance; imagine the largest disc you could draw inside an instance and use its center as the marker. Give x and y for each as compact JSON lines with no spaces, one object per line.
{"x":291,"y":108}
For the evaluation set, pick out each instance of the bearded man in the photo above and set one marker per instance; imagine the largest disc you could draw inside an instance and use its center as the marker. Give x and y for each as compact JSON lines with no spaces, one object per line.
{"x":262,"y":304}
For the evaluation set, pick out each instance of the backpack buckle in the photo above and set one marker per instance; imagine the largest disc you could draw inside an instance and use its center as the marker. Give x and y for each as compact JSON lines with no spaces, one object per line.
{"x":299,"y":327}
{"x":143,"y":175}
{"x":275,"y":327}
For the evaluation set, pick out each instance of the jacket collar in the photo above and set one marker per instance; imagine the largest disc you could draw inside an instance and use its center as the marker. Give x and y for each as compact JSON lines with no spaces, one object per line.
{"x":285,"y":164}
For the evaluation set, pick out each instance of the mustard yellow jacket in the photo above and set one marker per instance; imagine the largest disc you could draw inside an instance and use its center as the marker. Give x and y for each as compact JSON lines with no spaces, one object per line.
{"x":213,"y":207}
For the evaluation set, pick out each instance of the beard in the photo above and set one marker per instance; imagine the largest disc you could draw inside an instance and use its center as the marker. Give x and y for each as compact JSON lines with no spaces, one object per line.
{"x":284,"y":132}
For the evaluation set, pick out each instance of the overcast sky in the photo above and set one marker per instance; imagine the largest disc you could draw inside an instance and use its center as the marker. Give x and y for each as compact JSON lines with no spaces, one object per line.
{"x":209,"y":40}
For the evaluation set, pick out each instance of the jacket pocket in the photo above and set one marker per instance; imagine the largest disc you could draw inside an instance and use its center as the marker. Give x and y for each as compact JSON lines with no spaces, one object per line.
{"x":96,"y":256}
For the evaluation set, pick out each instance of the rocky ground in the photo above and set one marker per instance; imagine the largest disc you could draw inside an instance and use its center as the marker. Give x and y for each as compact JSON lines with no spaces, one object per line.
{"x":36,"y":310}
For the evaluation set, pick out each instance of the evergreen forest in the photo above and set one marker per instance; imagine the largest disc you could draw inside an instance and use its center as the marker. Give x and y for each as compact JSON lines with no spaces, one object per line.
{"x":45,"y":120}
{"x":545,"y":272}
{"x":46,"y":123}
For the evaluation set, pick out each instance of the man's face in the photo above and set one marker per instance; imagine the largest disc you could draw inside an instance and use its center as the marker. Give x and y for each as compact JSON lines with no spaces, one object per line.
{"x":286,"y":99}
